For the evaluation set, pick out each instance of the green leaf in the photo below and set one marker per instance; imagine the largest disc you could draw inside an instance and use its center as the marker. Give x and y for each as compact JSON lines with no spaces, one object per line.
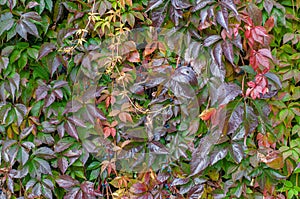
{"x":33,"y":53}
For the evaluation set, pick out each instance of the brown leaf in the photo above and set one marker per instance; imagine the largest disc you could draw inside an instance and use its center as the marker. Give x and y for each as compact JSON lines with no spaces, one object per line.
{"x":134,"y":56}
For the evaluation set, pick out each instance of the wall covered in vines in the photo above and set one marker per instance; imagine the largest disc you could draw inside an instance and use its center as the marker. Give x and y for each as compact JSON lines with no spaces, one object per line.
{"x":149,"y":99}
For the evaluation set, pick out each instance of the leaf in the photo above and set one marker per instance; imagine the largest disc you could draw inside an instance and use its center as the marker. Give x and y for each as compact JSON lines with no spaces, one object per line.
{"x":222,"y":18}
{"x":217,"y":52}
{"x":66,"y":182}
{"x":268,"y":5}
{"x":138,"y":188}
{"x":31,"y":28}
{"x":153,"y":4}
{"x":211,"y":40}
{"x":230,"y":5}
{"x":45,"y":153}
{"x":228,"y":51}
{"x":218,"y":154}
{"x":207,"y":113}
{"x":255,"y":13}
{"x":199,"y":165}
{"x":180,"y":181}
{"x":234,"y":116}
{"x":63,"y":164}
{"x":43,"y":166}
{"x":134,"y":56}
{"x":201,"y":4}
{"x":158,"y":15}
{"x":25,"y":132}
{"x":237,"y":152}
{"x":71,"y":130}
{"x":45,"y":49}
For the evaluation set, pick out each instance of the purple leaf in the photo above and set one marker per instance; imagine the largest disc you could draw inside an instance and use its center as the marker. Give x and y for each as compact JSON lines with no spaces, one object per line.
{"x":71,"y":130}
{"x":180,"y":181}
{"x":201,"y":5}
{"x":211,"y":40}
{"x":49,"y":99}
{"x":55,"y":63}
{"x":41,"y":92}
{"x":21,"y":30}
{"x":230,"y":5}
{"x":153,"y":4}
{"x":44,"y":166}
{"x":32,"y":15}
{"x":237,"y":41}
{"x":62,"y":145}
{"x":63,"y":164}
{"x":158,"y":15}
{"x":217,"y":154}
{"x":228,"y":51}
{"x":77,"y":121}
{"x":37,"y":189}
{"x":237,"y":152}
{"x":234,"y":116}
{"x":66,"y":182}
{"x":59,"y":84}
{"x":31,"y":28}
{"x":196,"y":191}
{"x":58,"y":93}
{"x":61,"y":130}
{"x":180,"y":4}
{"x":44,"y":152}
{"x":250,"y":120}
{"x":46,"y":49}
{"x":199,"y":164}
{"x":217,"y":52}
{"x":94,"y":111}
{"x":222,"y":18}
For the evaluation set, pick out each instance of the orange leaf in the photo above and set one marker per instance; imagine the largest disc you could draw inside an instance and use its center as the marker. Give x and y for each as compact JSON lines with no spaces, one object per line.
{"x":150,"y":48}
{"x":206,"y":114}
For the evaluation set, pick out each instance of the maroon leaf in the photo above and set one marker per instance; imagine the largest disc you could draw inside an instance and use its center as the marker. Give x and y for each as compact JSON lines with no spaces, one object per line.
{"x":71,"y":130}
{"x":46,"y":49}
{"x":234,"y":116}
{"x":138,"y":188}
{"x":62,"y":145}
{"x":66,"y":182}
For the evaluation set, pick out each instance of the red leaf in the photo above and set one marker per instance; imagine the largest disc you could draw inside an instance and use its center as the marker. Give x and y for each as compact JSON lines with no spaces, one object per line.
{"x":269,"y":24}
{"x":206,"y":114}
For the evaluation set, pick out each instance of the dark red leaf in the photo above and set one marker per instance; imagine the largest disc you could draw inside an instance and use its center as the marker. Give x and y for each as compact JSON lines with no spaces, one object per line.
{"x":217,"y":52}
{"x":217,"y":154}
{"x":158,"y":15}
{"x":255,"y":13}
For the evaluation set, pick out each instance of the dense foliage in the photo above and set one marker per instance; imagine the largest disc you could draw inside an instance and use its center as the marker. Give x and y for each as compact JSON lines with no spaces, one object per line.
{"x":149,"y":99}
